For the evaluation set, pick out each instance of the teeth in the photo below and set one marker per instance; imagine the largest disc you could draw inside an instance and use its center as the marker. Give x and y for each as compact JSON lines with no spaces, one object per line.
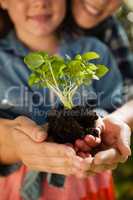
{"x":91,"y":7}
{"x":92,"y":10}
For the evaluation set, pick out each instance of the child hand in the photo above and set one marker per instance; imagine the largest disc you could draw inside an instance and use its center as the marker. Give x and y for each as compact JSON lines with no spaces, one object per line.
{"x":85,"y":145}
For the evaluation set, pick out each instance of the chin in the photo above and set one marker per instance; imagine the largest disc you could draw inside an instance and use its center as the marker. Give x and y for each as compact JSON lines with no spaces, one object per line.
{"x":87,"y":25}
{"x":41,"y":32}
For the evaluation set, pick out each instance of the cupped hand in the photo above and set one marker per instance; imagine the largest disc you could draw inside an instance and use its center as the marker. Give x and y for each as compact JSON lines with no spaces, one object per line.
{"x":114,"y":147}
{"x":46,"y":157}
{"x":116,"y":134}
{"x":30,"y":128}
{"x":23,"y":141}
{"x":84,"y":146}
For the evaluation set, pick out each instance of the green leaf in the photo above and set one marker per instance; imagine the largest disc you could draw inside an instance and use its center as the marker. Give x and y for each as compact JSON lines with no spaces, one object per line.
{"x":78,"y":57}
{"x":74,"y":63}
{"x":44,"y":68}
{"x":92,"y":67}
{"x":88,"y":76}
{"x":56,"y":58}
{"x":33,"y":79}
{"x":63,"y":75}
{"x":73,"y":68}
{"x":43,"y":54}
{"x":90,"y":56}
{"x":101,"y":71}
{"x":58,"y":68}
{"x":89,"y":71}
{"x":34,"y":60}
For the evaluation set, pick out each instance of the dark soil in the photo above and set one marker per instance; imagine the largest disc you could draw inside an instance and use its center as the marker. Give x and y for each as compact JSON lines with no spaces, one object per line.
{"x":65,"y":126}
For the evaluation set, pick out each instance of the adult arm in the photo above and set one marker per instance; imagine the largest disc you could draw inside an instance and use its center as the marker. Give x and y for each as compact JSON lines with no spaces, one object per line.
{"x":125,"y":113}
{"x":17,"y":146}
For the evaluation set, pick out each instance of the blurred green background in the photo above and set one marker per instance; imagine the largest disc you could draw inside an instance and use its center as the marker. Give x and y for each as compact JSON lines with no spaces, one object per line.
{"x":123,"y":175}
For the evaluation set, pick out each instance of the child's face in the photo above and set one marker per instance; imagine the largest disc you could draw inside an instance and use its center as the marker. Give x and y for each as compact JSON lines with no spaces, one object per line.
{"x":88,"y":13}
{"x":38,"y":17}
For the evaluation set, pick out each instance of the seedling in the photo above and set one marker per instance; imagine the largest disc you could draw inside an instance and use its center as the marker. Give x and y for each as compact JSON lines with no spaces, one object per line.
{"x":64,"y":76}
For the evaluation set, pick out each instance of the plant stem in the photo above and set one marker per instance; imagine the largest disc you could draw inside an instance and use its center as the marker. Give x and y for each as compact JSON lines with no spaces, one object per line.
{"x":66,"y":102}
{"x":53,"y":76}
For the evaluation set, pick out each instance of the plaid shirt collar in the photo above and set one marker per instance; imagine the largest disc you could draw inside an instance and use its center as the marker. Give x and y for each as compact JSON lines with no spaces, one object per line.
{"x":12,"y":43}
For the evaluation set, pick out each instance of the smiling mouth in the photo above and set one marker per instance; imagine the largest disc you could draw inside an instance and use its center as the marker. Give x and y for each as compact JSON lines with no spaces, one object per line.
{"x":41,"y":18}
{"x":92,"y":9}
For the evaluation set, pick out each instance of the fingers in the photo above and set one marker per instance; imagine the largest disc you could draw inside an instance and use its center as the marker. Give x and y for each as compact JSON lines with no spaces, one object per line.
{"x":31,"y":129}
{"x":123,"y":144}
{"x":92,"y":166}
{"x":105,"y":157}
{"x":82,"y":145}
{"x":102,"y":168}
{"x":99,"y":169}
{"x":61,"y":165}
{"x":108,"y":157}
{"x":55,"y":158}
{"x":86,"y":163}
{"x":50,"y":149}
{"x":85,"y":145}
{"x":85,"y":168}
{"x":89,"y":141}
{"x":46,"y":157}
{"x":84,"y":154}
{"x":92,"y":141}
{"x":62,"y":159}
{"x":117,"y":135}
{"x":100,"y":124}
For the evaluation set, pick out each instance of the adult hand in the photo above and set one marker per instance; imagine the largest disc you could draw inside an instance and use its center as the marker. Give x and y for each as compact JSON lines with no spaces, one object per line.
{"x":20,"y":125}
{"x":116,"y":134}
{"x":46,"y":157}
{"x":30,"y":128}
{"x":115,"y":145}
{"x":16,"y":144}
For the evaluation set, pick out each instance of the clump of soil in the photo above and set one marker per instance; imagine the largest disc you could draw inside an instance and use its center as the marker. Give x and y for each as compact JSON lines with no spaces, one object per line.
{"x":65,"y":126}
